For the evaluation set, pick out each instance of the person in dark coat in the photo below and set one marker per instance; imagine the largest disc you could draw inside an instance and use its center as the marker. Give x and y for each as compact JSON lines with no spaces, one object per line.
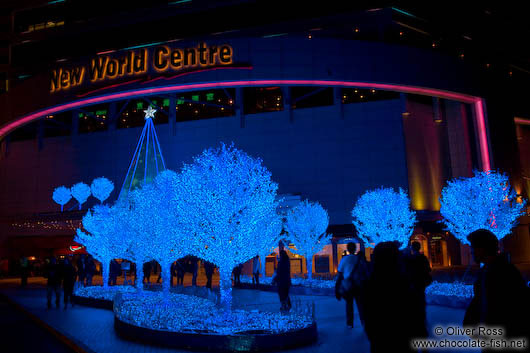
{"x":180,"y":268}
{"x":114,"y":272}
{"x":390,"y":321}
{"x":53,"y":284}
{"x":90,"y":267}
{"x":194,"y":268}
{"x":24,"y":271}
{"x":418,"y":269}
{"x":500,"y":296}
{"x":237,"y":274}
{"x":256,"y":264}
{"x":283,"y":279}
{"x":209,"y":269}
{"x":81,"y":269}
{"x":147,"y":271}
{"x":69,"y":275}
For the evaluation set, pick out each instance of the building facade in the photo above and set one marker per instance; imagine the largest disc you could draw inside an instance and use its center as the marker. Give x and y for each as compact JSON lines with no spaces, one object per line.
{"x":330,"y":114}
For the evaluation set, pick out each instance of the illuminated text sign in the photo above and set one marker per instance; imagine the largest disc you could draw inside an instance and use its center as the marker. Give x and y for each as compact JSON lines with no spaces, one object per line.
{"x":137,"y":62}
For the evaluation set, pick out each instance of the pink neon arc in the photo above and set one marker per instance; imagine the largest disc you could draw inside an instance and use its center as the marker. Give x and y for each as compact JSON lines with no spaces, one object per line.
{"x":477,"y":101}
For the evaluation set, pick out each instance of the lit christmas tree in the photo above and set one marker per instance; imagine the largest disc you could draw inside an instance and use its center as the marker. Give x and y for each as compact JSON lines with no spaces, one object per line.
{"x":384,"y":215}
{"x":155,"y":209}
{"x":81,"y":192}
{"x":61,"y":195}
{"x":306,"y":225}
{"x":106,"y":235}
{"x":484,"y":201}
{"x":147,"y":160}
{"x":226,"y":197}
{"x":101,"y":188}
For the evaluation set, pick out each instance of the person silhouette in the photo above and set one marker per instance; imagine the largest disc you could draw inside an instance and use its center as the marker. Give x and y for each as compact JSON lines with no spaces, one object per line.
{"x":418,"y":269}
{"x":500,"y":296}
{"x":282,"y":278}
{"x":351,"y":274}
{"x":390,"y":321}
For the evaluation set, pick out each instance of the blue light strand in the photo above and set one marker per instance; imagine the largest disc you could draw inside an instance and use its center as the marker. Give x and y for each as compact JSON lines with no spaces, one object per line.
{"x":484,"y":201}
{"x":306,"y":225}
{"x":384,"y":215}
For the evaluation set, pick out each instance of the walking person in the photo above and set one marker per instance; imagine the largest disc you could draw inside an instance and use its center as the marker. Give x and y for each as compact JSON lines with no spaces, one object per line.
{"x":180,"y":272}
{"x":237,"y":274}
{"x":69,"y":275}
{"x":90,"y":268}
{"x":24,"y":271}
{"x":81,"y":269}
{"x":147,"y":271}
{"x":256,"y":265}
{"x":500,"y":296}
{"x":209,"y":269}
{"x":350,"y":279}
{"x":282,"y":279}
{"x":419,"y":271}
{"x":53,"y":284}
{"x":390,"y":321}
{"x":114,"y":272}
{"x":194,"y":266}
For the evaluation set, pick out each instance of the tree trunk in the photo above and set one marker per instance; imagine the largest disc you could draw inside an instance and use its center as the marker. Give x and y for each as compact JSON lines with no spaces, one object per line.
{"x":139,"y":275}
{"x":166,"y":277}
{"x":62,"y":206}
{"x":225,"y":284}
{"x":309,"y":261}
{"x":105,"y":265}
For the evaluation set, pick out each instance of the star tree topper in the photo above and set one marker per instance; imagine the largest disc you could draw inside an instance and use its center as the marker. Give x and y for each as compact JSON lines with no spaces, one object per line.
{"x":149,"y":113}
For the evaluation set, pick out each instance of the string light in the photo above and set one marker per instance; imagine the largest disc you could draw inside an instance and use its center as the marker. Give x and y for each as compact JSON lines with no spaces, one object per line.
{"x":306,"y":225}
{"x":227,"y":198}
{"x":81,"y":192}
{"x":101,"y":188}
{"x":384,"y":215}
{"x":62,"y":195}
{"x":484,"y":201}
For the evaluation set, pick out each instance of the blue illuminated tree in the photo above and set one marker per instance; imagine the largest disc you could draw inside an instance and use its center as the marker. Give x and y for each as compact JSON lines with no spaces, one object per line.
{"x":101,"y":188}
{"x":226,"y":197}
{"x":81,"y":192}
{"x":61,"y":195}
{"x":306,"y":225}
{"x":384,"y":215}
{"x":105,"y":236}
{"x":484,"y":201}
{"x":268,"y":238}
{"x":155,"y":224}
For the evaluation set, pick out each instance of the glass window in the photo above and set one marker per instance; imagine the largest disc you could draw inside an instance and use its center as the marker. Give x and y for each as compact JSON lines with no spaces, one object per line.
{"x":205,"y":104}
{"x":262,"y":99}
{"x":58,"y":124}
{"x":357,"y":95}
{"x":94,"y":118}
{"x":133,"y":114}
{"x":308,"y":97}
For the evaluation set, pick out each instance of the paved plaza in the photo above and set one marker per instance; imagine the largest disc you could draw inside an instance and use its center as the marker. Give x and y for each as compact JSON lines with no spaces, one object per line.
{"x":93,"y":330}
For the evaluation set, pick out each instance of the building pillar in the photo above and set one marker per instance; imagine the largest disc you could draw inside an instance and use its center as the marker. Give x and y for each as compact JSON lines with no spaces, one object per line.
{"x":75,"y":122}
{"x":40,"y":134}
{"x":286,"y":92}
{"x":337,"y":100}
{"x":239,"y":104}
{"x":172,"y":116}
{"x":113,"y":118}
